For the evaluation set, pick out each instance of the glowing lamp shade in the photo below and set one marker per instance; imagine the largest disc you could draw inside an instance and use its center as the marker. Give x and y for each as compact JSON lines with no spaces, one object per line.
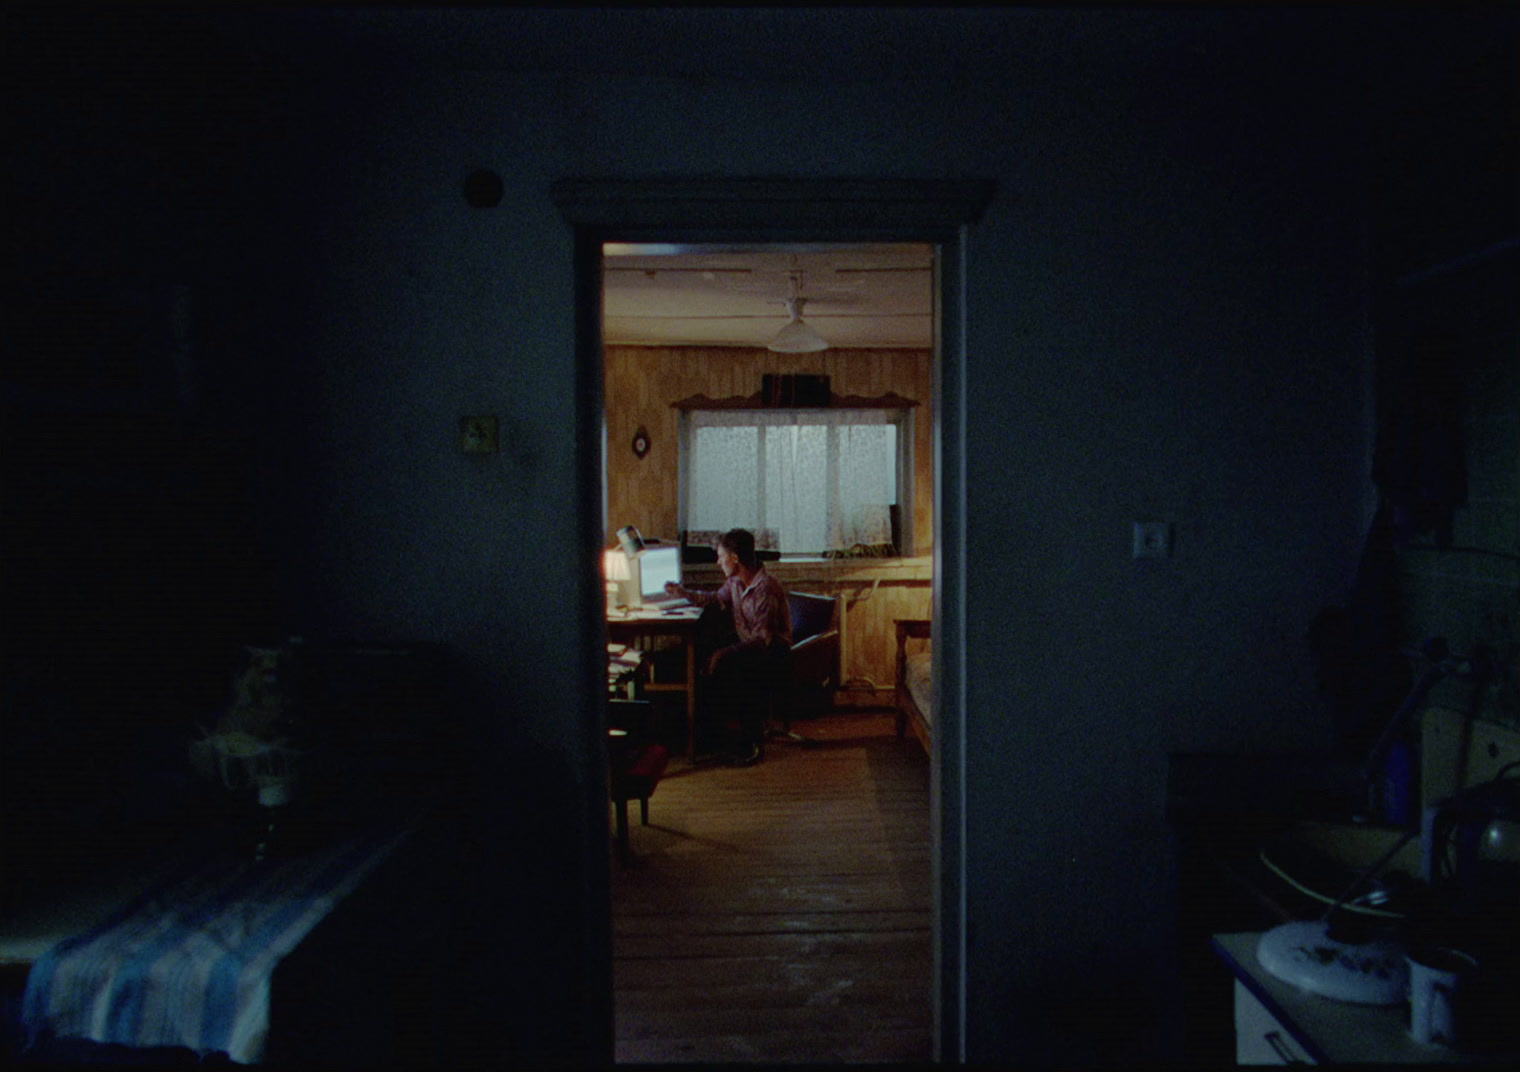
{"x":797,"y":337}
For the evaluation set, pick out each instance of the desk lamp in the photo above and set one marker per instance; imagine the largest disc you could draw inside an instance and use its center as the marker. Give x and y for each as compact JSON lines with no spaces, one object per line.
{"x":615,"y":570}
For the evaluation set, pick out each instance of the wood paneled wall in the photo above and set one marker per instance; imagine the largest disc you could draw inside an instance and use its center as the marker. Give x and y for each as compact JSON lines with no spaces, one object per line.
{"x":642,"y":382}
{"x":870,"y":636}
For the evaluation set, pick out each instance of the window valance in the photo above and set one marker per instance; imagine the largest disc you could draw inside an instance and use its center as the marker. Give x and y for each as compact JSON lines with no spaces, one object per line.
{"x":757,"y":401}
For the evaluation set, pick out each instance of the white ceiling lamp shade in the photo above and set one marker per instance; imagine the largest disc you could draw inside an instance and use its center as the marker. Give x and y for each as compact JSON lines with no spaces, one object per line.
{"x":797,"y":337}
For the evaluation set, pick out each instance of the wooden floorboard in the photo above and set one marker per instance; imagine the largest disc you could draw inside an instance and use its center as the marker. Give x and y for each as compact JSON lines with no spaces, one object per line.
{"x":781,"y":913}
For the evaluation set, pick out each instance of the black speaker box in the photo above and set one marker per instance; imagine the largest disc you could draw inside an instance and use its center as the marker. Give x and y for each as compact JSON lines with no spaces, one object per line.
{"x":798,"y":391}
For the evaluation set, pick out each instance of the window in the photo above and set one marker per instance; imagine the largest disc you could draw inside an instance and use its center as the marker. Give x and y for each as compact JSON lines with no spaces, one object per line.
{"x":806,"y":481}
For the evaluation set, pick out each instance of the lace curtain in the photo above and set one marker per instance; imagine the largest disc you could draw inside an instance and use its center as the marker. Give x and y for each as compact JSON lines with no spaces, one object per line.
{"x":821,"y":480}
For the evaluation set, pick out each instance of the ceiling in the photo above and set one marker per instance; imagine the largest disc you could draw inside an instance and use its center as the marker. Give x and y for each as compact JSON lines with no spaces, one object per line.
{"x":821,"y":42}
{"x":878,"y":296}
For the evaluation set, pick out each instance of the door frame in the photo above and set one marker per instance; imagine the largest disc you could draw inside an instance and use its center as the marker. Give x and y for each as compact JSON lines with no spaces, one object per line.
{"x":778,"y":211}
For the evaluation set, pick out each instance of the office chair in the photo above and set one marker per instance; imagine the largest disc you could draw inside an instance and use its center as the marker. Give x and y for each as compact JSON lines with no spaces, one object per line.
{"x":811,"y":675}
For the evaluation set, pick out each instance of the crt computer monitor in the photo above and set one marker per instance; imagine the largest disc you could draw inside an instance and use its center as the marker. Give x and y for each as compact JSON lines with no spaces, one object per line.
{"x":649,"y":570}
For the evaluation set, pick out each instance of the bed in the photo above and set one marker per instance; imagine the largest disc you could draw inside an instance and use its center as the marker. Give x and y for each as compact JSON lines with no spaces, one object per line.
{"x":140,"y":917}
{"x":180,"y":955}
{"x":914,"y":689}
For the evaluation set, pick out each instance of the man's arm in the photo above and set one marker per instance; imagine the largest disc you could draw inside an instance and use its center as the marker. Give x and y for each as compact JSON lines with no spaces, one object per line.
{"x":696,"y":596}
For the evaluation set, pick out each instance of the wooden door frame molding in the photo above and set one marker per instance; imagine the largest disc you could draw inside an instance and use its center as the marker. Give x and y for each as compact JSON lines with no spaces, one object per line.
{"x":772,"y":211}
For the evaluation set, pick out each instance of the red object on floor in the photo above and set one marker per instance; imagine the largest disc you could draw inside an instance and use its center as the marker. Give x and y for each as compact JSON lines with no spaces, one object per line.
{"x":634,"y":778}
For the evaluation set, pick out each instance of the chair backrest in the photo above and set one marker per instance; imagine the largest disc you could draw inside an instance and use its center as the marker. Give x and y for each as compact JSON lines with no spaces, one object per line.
{"x":811,"y":614}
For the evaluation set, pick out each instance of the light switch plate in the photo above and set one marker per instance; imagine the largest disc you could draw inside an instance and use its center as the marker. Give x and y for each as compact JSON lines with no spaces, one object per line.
{"x":1153,"y":539}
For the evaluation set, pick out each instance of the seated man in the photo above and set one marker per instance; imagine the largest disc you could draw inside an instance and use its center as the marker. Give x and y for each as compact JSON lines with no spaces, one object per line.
{"x":741,"y":675}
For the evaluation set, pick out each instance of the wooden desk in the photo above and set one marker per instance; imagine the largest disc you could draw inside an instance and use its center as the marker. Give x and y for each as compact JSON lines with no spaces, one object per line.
{"x":631,"y":626}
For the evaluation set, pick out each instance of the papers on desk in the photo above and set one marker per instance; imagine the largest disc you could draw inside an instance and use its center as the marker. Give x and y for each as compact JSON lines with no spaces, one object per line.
{"x":655,"y":614}
{"x":622,"y":661}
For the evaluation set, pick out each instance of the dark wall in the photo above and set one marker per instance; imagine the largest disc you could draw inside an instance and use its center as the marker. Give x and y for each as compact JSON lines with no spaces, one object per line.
{"x":135,"y":565}
{"x":174,"y":467}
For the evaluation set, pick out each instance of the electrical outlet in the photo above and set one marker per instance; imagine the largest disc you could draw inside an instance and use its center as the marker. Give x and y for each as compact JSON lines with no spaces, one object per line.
{"x":1153,"y":539}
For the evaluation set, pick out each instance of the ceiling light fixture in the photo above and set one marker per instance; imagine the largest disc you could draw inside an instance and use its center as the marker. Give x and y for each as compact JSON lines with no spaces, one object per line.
{"x":797,"y":337}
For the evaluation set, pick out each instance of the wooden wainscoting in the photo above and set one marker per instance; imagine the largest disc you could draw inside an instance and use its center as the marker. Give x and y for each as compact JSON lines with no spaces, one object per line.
{"x":781,"y":912}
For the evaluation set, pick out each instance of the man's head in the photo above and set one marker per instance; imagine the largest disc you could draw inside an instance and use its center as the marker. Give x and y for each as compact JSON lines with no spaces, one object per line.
{"x":740,"y":544}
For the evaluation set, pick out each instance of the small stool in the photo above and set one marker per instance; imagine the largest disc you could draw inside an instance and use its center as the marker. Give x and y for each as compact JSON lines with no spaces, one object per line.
{"x":634,"y":777}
